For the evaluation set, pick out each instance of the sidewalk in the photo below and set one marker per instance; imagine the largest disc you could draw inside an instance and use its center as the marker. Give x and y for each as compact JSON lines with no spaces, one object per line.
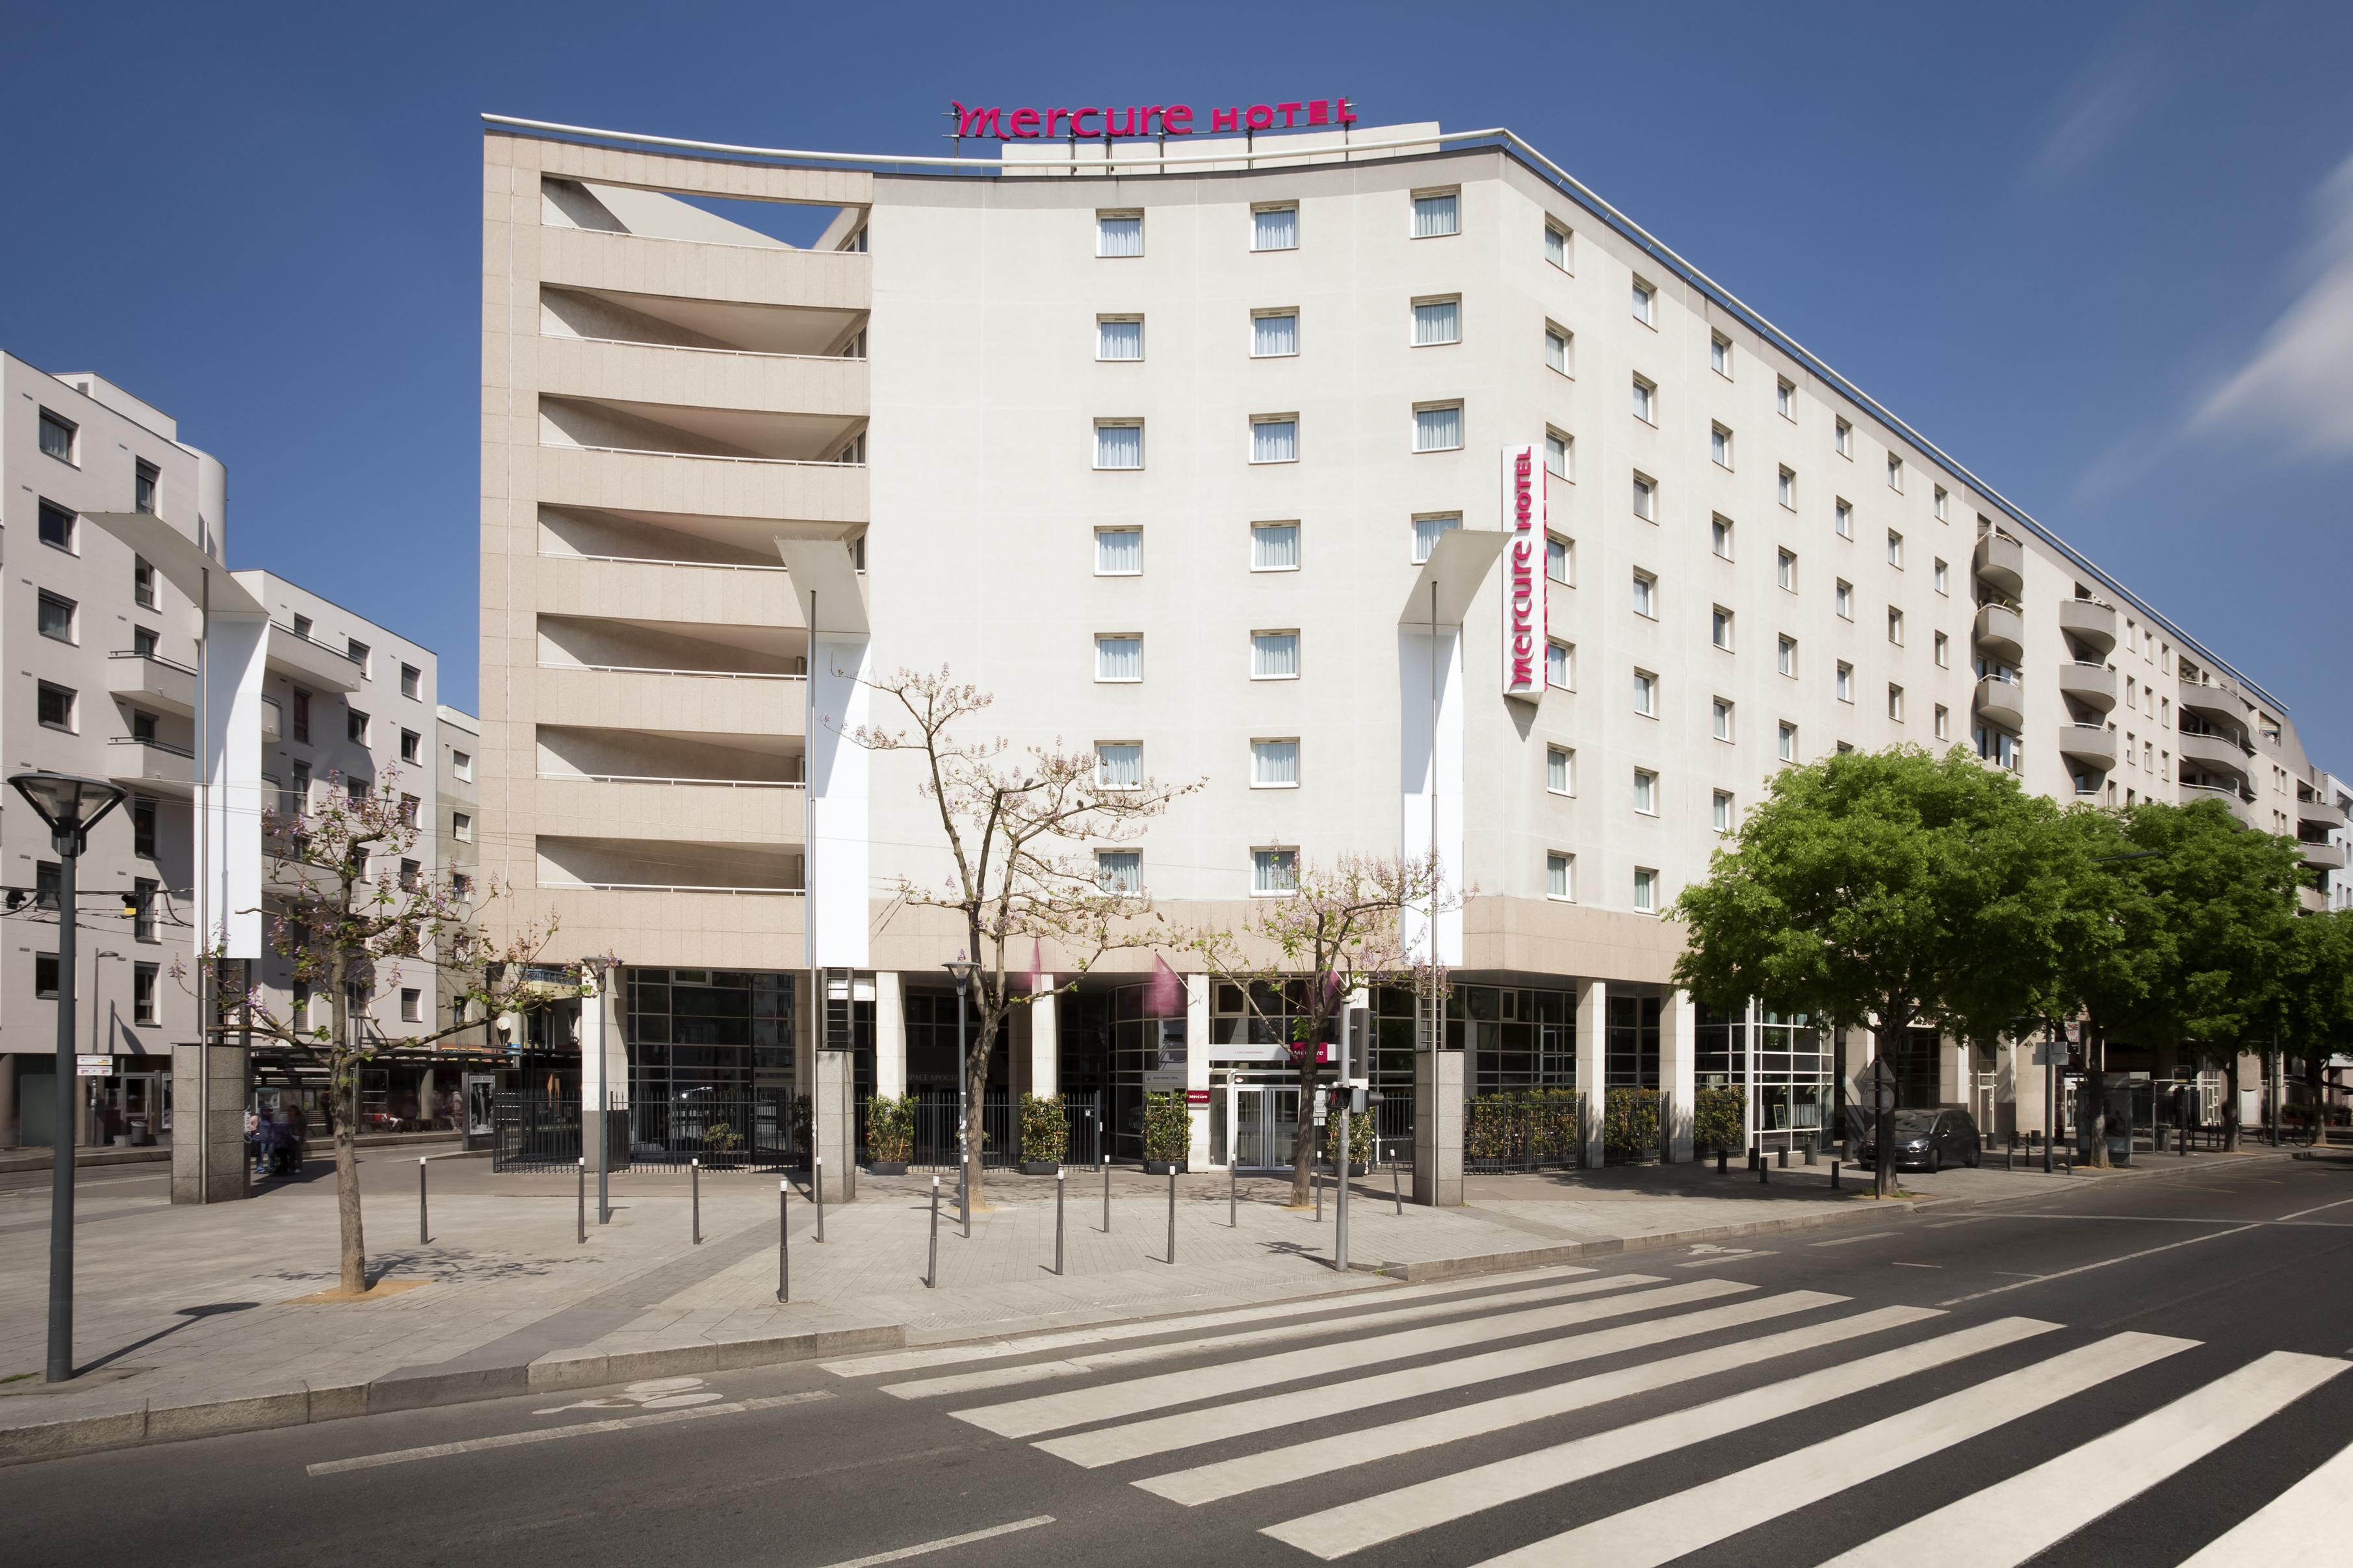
{"x":181,"y":1310}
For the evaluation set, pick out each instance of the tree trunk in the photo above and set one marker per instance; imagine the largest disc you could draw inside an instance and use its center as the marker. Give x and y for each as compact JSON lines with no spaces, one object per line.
{"x":2094,"y":1115}
{"x":1303,"y":1144}
{"x":346,"y":1091}
{"x":1883,"y":1137}
{"x":2314,"y":1097}
{"x":975,"y":1090}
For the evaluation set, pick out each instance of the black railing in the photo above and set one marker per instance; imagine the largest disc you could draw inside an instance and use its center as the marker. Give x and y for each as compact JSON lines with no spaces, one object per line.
{"x":725,"y":1131}
{"x":936,"y":1145}
{"x":1530,"y":1131}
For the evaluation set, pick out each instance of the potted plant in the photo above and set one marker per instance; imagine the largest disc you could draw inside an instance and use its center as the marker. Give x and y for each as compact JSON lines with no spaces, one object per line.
{"x":890,"y":1134}
{"x":1360,"y":1140}
{"x":721,"y":1143}
{"x":1629,"y":1126}
{"x":1045,"y":1134}
{"x":1167,"y":1133}
{"x":1719,"y":1120}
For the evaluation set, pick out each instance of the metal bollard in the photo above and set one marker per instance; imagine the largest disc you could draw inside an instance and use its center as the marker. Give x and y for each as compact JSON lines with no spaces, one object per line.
{"x":1172,"y":1211}
{"x":1784,"y":1161}
{"x":1059,"y":1185}
{"x":1813,"y":1155}
{"x":784,"y":1246}
{"x":1233,"y":1195}
{"x":1105,"y":1157}
{"x":1834,"y":1175}
{"x":1315,"y":1180}
{"x":583,"y":1201}
{"x":423,"y":1235}
{"x":931,"y":1275}
{"x":963,"y":1193}
{"x":817,"y":1191}
{"x":1763,"y":1170}
{"x":694,"y":1187}
{"x":1396,"y":1192}
{"x":1722,"y":1161}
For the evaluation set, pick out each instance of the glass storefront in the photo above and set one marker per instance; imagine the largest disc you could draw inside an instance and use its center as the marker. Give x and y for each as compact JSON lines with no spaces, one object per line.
{"x":1782,"y":1063}
{"x":725,"y":1029}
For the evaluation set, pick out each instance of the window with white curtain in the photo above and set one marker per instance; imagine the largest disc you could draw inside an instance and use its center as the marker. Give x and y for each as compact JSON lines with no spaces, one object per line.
{"x":1944,"y":578}
{"x":1275,"y":765}
{"x":1556,"y":563}
{"x":1560,"y":875}
{"x":1845,"y":681}
{"x":1557,"y":349}
{"x":1119,"y":552}
{"x":1426,"y":531}
{"x":1720,"y":627}
{"x":1274,"y":229}
{"x":1646,"y":693}
{"x":1275,"y":440}
{"x":1274,"y":870}
{"x":1646,"y":792}
{"x":1719,"y":446}
{"x":1720,"y":812}
{"x":1785,"y":398}
{"x":1439,"y":213}
{"x":1273,"y":334}
{"x":1842,"y":519}
{"x":1895,"y":702}
{"x":1895,"y":548}
{"x":1559,"y":664}
{"x":1646,"y":890}
{"x":1785,"y":572}
{"x":1787,"y":659}
{"x":1645,"y":302}
{"x":1119,"y":337}
{"x":1557,"y":246}
{"x":1719,"y":536}
{"x":1119,"y":764}
{"x":1119,"y":446}
{"x":1943,"y":506}
{"x":1119,"y":656}
{"x":1119,"y":870}
{"x":1274,"y":547}
{"x":1438,"y":428}
{"x":1559,"y":763}
{"x":1555,"y":454}
{"x":1843,"y":439}
{"x":1788,"y":743}
{"x":1719,"y":354}
{"x":1843,"y":599}
{"x":1894,"y":625}
{"x":1786,"y":489}
{"x":1720,"y":718}
{"x":1895,"y":472}
{"x":1646,"y":594}
{"x":1119,"y":234}
{"x":1437,"y":321}
{"x":1646,"y":497}
{"x":1274,"y":656}
{"x":1646,"y":401}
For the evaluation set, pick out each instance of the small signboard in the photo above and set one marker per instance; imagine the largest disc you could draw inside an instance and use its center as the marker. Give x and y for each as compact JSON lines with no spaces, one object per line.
{"x":94,"y":1067}
{"x":1196,"y":1097}
{"x":1879,"y":1084}
{"x":1162,"y":1081}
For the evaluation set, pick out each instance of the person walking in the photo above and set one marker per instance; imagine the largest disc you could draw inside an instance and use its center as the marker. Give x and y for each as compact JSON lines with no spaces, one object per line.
{"x":255,"y":1147}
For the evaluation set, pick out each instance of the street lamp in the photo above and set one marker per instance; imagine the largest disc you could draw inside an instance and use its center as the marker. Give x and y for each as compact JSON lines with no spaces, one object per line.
{"x":71,"y":806}
{"x":961,"y":969}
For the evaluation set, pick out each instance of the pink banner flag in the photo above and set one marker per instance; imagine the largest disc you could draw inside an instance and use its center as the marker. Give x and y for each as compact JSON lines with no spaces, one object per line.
{"x":1037,"y":966}
{"x":1165,"y":998}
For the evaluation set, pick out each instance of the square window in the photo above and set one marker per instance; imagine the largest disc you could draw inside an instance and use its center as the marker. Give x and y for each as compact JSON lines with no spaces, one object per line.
{"x":1719,"y":446}
{"x":1119,"y":337}
{"x":1559,"y":671}
{"x":1719,"y":536}
{"x":1895,"y":548}
{"x":412,"y":1004}
{"x":412,"y":681}
{"x":462,"y":764}
{"x":1436,"y":214}
{"x":1944,"y":722}
{"x":1559,"y":769}
{"x":1842,"y":438}
{"x":1557,"y":448}
{"x":1119,"y":234}
{"x":1560,"y":875}
{"x":56,"y":618}
{"x":1274,"y":229}
{"x":1557,"y":246}
{"x":1427,"y":531}
{"x":1119,"y":764}
{"x":1842,"y":600}
{"x":59,"y":529}
{"x":1438,"y":427}
{"x":45,"y":975}
{"x":461,"y":828}
{"x":1646,"y":792}
{"x":1557,"y":349}
{"x":1556,"y":563}
{"x":1437,"y":321}
{"x":1275,"y":765}
{"x":1646,"y":890}
{"x":1720,"y":718}
{"x":1787,"y":656}
{"x":1119,"y":552}
{"x":1646,"y":594}
{"x":1720,"y":627}
{"x":1274,"y":547}
{"x":55,"y":707}
{"x":57,"y":437}
{"x":1119,"y":870}
{"x":1646,"y":497}
{"x":1646,"y":693}
{"x":1788,"y":743}
{"x":1275,"y":334}
{"x":1785,"y":571}
{"x":1719,"y":814}
{"x":1785,"y":398}
{"x":1895,"y":472}
{"x":1895,"y":702}
{"x":1785,"y":489}
{"x":1274,"y":870}
{"x":1274,"y":656}
{"x":1894,"y":625}
{"x":1645,"y":303}
{"x":1119,"y":443}
{"x":1119,"y":656}
{"x":1646,"y":401}
{"x":1842,"y":519}
{"x":1719,"y":354}
{"x":1845,"y":681}
{"x":1274,"y":439}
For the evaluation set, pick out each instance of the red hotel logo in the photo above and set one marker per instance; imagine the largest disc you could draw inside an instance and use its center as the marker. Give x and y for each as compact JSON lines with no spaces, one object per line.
{"x":1524,"y":594}
{"x":1094,"y":123}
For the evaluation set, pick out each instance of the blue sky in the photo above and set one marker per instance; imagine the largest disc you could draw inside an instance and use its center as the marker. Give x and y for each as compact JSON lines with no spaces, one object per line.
{"x":2102,"y":254}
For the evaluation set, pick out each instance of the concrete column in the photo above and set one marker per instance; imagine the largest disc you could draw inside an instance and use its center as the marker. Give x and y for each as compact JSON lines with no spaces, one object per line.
{"x":604,"y":1066}
{"x":889,"y":1036}
{"x":1046,"y":1047}
{"x":8,"y":1138}
{"x":1437,"y":1128}
{"x":1592,"y":1023}
{"x":1197,"y":1063}
{"x":829,"y":1114}
{"x":209,"y":1157}
{"x":1678,"y":1057}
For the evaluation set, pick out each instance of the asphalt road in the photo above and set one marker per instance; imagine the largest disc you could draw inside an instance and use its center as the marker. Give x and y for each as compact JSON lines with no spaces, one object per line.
{"x":1920,"y":1390}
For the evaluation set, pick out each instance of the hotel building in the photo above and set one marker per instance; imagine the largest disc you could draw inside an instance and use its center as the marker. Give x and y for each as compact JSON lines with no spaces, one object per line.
{"x":1205,"y":454}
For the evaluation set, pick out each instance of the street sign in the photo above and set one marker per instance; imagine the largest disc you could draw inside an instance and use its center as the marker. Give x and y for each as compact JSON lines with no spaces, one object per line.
{"x":94,"y":1067}
{"x":1878,"y":1085}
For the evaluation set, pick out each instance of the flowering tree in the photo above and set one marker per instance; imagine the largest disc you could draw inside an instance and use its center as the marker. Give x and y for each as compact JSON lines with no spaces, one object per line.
{"x":1299,"y":954}
{"x":349,"y":915}
{"x":1020,"y":833}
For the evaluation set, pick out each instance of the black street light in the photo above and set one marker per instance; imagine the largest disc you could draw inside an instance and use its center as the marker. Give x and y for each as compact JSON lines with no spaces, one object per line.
{"x":961,"y":969}
{"x":71,"y":806}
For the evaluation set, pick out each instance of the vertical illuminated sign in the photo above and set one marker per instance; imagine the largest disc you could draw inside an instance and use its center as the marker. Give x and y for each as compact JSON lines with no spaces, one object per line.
{"x":1523,"y":573}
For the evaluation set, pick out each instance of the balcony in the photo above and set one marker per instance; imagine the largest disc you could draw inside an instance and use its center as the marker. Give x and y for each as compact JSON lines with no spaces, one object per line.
{"x":2323,"y":857}
{"x":2213,"y":755}
{"x":2090,"y":623}
{"x":2093,"y":684}
{"x":699,"y":701}
{"x":2093,"y":745}
{"x":661,"y":485}
{"x":693,"y":592}
{"x":308,"y":662}
{"x":156,"y":767}
{"x":2320,"y":813}
{"x":1999,"y":703}
{"x":2239,"y":807}
{"x":2000,"y":563}
{"x":670,"y":810}
{"x":2001,"y":632}
{"x":679,"y":269}
{"x":689,"y":378}
{"x":152,"y":682}
{"x":2217,"y":704}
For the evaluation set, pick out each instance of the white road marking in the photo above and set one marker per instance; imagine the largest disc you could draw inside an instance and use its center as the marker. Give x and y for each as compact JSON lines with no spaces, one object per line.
{"x":1160,"y":1435}
{"x":2087,"y":1267}
{"x":1949,"y":1224}
{"x":2318,"y":1509}
{"x":1310,"y":1306}
{"x":652,"y":1394}
{"x":549,"y":1434}
{"x":1657,"y":1533}
{"x":1336,"y":1531}
{"x":1253,"y":1472}
{"x":1727,"y":1258}
{"x":1850,"y":1240}
{"x":2316,"y":1208}
{"x":904,"y":1552}
{"x":1074,"y":1366}
{"x":1047,"y":1412}
{"x":2012,"y":1521}
{"x":1903,"y":1264}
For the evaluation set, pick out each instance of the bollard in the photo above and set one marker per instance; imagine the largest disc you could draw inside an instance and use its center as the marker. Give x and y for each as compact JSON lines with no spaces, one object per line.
{"x":1763,"y":1170}
{"x":423,"y":1235}
{"x":1785,"y":1159}
{"x":1233,"y":1195}
{"x":1722,"y":1161}
{"x":1172,"y":1211}
{"x":817,"y":1191}
{"x":583,"y":1201}
{"x":963,"y":1193}
{"x":1834,"y":1175}
{"x":931,"y":1275}
{"x":1315,"y":1180}
{"x":1396,"y":1192}
{"x":1105,"y":1157}
{"x":1813,"y":1155}
{"x":784,"y":1247}
{"x":1058,"y":1221}
{"x":694,"y":1186}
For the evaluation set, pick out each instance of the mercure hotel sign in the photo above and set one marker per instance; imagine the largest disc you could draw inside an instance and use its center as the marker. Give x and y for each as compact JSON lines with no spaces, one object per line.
{"x":1103,"y":122}
{"x":1523,"y":574}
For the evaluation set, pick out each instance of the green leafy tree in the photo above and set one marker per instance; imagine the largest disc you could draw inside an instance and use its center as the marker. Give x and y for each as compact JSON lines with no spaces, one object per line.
{"x":1885,"y":889}
{"x":2113,"y":945}
{"x":2316,"y":998}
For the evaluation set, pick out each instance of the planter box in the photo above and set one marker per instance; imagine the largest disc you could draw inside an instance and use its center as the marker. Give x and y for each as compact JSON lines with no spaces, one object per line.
{"x":1162,"y":1167}
{"x":1039,"y":1167}
{"x":886,"y":1167}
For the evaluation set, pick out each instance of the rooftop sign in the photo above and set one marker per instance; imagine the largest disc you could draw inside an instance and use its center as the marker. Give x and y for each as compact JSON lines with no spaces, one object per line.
{"x":1095,"y":122}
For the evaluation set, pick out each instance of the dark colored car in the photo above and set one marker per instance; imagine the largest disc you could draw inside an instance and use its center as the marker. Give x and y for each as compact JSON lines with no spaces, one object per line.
{"x":1924,"y":1140}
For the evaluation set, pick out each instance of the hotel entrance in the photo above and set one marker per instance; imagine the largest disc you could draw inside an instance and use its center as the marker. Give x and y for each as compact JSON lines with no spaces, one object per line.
{"x":1254,"y":1118}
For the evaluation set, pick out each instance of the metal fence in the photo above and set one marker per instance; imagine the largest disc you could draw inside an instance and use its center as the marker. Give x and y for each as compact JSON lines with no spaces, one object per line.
{"x":1000,"y":1125}
{"x":725,"y":1131}
{"x":1533,"y":1130}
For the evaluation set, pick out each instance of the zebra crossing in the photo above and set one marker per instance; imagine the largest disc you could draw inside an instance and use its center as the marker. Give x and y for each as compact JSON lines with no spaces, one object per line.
{"x":1460,"y":1374}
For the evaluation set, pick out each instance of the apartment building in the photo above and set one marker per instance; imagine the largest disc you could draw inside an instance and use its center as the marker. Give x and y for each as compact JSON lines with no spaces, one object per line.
{"x":1388,"y":483}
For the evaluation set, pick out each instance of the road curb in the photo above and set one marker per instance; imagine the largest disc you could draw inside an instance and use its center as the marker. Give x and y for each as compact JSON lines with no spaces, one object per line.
{"x":1440,"y":1268}
{"x":144,"y":1423}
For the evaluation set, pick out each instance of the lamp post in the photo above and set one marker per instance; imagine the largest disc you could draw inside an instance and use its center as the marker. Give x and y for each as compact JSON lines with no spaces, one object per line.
{"x":961,"y":969}
{"x":71,"y":806}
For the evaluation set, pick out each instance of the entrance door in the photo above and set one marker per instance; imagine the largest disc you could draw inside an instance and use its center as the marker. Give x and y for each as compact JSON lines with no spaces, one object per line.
{"x":481,"y":1091}
{"x":1266,"y":1126}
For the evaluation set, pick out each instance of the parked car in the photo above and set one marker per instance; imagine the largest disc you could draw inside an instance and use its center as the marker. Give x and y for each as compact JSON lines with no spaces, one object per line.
{"x":1924,"y":1140}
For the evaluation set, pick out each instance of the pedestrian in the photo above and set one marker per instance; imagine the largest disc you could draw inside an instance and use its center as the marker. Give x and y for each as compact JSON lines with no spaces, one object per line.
{"x":298,"y":1136}
{"x":256,"y":1149}
{"x":275,"y":1132}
